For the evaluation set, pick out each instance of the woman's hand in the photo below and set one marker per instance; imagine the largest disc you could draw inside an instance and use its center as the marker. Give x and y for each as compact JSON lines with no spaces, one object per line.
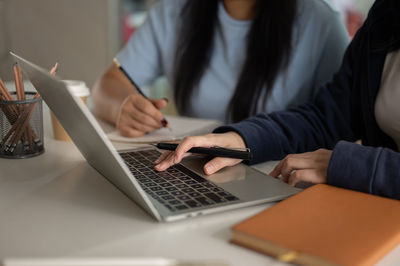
{"x":115,"y":101}
{"x":138,"y":115}
{"x":307,"y":167}
{"x":226,"y":140}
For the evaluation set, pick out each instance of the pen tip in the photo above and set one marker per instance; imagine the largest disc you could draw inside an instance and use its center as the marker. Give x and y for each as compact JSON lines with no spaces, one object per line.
{"x":165,"y":123}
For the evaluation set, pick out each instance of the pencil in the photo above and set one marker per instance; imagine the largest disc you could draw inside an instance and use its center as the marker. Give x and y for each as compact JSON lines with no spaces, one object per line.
{"x":164,"y":122}
{"x":28,"y":115}
{"x":11,"y":113}
{"x":22,"y":123}
{"x":19,"y":85}
{"x":53,"y":70}
{"x":7,"y":109}
{"x":12,"y":130}
{"x":4,"y":90}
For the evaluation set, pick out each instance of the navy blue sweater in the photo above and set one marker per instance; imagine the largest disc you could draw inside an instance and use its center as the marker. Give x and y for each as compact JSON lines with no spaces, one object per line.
{"x":342,"y":113}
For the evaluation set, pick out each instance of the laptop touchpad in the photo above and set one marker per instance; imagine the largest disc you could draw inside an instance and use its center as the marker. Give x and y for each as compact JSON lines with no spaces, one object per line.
{"x":228,"y":174}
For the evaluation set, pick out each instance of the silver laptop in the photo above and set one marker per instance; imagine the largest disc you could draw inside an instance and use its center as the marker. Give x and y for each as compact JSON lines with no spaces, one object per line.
{"x":177,"y":193}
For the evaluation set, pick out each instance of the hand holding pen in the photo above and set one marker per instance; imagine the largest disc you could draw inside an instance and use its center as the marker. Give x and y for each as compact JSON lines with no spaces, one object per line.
{"x":232,"y":141}
{"x":138,"y":114}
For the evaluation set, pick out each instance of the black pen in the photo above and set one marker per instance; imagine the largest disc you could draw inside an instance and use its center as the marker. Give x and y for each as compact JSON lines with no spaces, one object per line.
{"x":213,"y":151}
{"x":164,"y":122}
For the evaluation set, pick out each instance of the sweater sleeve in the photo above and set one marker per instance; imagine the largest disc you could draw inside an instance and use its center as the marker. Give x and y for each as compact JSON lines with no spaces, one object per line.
{"x":367,"y":169}
{"x":320,"y":124}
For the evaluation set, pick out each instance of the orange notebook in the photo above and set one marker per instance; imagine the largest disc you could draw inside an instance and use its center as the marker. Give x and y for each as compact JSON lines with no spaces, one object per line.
{"x":324,"y":225}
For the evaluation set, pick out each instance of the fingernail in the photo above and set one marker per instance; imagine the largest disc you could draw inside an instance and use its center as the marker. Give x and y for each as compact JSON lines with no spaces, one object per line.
{"x":166,"y":99}
{"x":157,"y":161}
{"x":164,"y":122}
{"x":175,"y":159}
{"x":208,"y":168}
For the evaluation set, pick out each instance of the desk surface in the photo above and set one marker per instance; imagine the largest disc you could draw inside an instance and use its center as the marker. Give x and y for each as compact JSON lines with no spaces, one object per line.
{"x":56,"y":205}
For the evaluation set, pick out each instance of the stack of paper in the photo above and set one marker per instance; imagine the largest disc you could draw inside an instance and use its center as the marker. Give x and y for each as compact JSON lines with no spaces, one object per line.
{"x":180,"y":128}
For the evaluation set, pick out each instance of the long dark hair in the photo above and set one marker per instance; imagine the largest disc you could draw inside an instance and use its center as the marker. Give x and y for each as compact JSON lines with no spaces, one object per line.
{"x":268,"y":52}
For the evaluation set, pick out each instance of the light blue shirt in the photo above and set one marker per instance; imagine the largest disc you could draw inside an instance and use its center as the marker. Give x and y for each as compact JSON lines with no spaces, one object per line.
{"x":319,"y":42}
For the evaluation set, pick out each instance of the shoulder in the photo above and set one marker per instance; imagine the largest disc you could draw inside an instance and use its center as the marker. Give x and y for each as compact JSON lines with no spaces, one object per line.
{"x":167,"y":9}
{"x":164,"y":16}
{"x":320,"y":10}
{"x":322,"y":19}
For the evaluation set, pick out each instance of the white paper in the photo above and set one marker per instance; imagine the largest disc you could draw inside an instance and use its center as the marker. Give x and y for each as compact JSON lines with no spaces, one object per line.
{"x":180,"y":128}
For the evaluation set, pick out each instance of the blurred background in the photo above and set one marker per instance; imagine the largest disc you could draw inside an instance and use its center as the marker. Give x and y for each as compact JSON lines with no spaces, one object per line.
{"x":85,"y":35}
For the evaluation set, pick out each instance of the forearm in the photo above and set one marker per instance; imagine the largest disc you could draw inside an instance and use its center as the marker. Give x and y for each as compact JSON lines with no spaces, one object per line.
{"x":108,"y":94}
{"x":259,"y":136}
{"x":303,"y":129}
{"x":367,"y":169}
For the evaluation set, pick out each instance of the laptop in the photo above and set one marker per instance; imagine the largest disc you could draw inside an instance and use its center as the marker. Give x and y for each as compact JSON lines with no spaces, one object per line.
{"x":181,"y":191}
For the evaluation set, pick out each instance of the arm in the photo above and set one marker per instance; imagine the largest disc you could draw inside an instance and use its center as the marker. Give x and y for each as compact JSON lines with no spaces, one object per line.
{"x":115,"y":98}
{"x":350,"y":165}
{"x":106,"y":98}
{"x":271,"y":137}
{"x":306,"y":128}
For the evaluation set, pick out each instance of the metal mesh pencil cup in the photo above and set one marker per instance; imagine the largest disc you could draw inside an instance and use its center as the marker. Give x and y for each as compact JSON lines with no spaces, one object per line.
{"x":21,"y":127}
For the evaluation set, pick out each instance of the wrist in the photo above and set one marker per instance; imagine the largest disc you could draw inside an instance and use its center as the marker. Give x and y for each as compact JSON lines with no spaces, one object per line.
{"x":120,"y":110}
{"x":238,"y":141}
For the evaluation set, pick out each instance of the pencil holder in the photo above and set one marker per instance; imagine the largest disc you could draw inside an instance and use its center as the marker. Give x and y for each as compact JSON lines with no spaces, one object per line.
{"x":21,"y":127}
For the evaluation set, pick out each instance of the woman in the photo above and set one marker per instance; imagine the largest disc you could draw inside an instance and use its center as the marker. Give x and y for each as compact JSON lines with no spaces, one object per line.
{"x":213,"y":51}
{"x":361,"y":102}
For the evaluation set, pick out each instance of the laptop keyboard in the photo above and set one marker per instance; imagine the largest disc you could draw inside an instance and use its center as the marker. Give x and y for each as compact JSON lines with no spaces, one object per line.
{"x":177,"y":188}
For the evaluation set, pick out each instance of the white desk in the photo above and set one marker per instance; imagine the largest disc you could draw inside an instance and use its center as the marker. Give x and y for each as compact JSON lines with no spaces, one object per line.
{"x":56,"y":205}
